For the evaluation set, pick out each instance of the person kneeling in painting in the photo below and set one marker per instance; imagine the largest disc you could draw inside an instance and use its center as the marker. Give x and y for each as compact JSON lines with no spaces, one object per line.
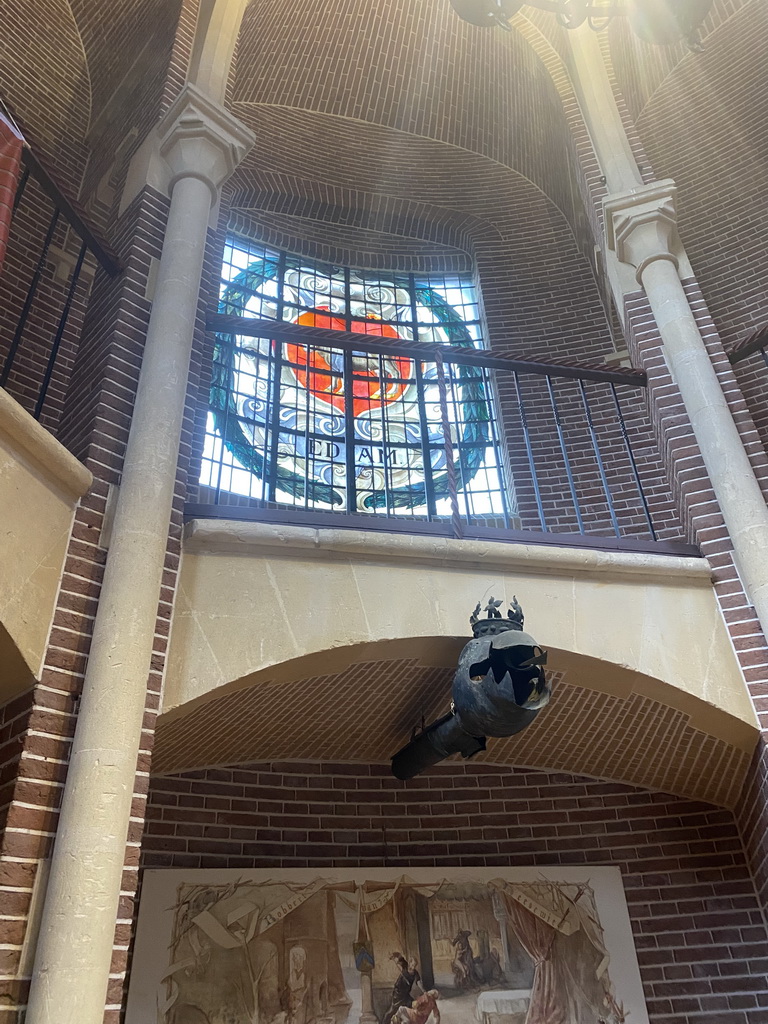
{"x":420,"y":1011}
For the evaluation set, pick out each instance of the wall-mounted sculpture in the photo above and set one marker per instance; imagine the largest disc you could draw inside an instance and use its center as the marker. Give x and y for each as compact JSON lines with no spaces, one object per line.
{"x":498,"y":689}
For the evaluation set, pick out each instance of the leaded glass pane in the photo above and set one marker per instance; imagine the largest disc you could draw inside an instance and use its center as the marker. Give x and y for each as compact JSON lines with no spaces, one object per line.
{"x":312,"y":425}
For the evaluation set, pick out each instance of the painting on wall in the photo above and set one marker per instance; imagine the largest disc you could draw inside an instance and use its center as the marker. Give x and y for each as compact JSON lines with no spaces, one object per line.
{"x":415,"y":946}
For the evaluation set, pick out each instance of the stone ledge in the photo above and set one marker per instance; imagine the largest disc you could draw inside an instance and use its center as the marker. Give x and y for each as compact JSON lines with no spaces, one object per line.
{"x":22,"y":432}
{"x":209,"y":536}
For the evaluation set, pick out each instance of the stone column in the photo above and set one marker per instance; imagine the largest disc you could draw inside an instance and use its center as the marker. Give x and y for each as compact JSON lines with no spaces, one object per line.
{"x":201,"y":144}
{"x":367,"y":1015}
{"x":641,"y":230}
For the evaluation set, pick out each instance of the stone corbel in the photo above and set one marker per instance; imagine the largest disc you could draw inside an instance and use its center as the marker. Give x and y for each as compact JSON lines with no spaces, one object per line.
{"x":196,"y":137}
{"x":199,"y":138}
{"x":641,"y":225}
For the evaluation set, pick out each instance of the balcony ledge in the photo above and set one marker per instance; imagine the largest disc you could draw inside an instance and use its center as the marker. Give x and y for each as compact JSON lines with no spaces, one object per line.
{"x":22,"y":433}
{"x":254,"y":538}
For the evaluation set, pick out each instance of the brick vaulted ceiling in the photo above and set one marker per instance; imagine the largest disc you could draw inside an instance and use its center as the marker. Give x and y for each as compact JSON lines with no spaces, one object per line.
{"x":362,"y":710}
{"x":703,"y":120}
{"x":394,"y":135}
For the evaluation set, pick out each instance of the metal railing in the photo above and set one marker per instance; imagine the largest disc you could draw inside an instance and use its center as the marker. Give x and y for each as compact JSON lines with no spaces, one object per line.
{"x":755,"y":342}
{"x":46,"y":303}
{"x":308,"y":425}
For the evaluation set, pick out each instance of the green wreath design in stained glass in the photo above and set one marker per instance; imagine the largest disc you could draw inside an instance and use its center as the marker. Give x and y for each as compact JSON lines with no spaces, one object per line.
{"x":475,"y":430}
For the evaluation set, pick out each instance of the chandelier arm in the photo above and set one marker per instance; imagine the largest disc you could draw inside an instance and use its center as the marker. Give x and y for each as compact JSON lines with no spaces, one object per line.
{"x":593,"y":10}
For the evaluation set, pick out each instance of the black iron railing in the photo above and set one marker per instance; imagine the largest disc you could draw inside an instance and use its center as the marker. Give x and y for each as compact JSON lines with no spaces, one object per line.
{"x":304,"y":422}
{"x":757,"y":342}
{"x":43,"y":216}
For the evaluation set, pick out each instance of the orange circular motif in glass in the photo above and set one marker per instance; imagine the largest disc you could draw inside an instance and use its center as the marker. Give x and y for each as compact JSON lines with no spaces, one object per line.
{"x":376,"y":380}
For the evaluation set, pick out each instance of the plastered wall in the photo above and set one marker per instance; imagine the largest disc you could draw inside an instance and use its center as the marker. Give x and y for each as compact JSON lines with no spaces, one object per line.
{"x":248,"y":599}
{"x":40,"y":484}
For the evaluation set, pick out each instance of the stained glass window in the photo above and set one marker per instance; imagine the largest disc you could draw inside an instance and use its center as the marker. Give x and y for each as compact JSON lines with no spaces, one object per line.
{"x":298,"y":421}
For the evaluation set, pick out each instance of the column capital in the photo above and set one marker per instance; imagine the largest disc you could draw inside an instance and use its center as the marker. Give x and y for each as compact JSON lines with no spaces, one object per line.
{"x":199,"y":138}
{"x":641,"y":224}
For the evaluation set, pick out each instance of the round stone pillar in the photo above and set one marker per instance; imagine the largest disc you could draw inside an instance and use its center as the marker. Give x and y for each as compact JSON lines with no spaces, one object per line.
{"x":641,"y":230}
{"x":201,"y":144}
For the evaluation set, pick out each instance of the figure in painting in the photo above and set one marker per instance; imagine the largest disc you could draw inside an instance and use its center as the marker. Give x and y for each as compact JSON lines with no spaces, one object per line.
{"x":463,"y":965}
{"x":487,"y":964}
{"x":421,"y":1009}
{"x":249,"y":951}
{"x":297,"y":986}
{"x":401,"y":990}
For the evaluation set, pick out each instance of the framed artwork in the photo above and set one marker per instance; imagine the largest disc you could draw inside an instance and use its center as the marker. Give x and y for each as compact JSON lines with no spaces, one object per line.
{"x":382,"y":946}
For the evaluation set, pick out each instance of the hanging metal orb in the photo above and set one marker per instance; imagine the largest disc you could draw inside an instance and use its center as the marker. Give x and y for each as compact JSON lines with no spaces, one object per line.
{"x":498,"y":689}
{"x":486,"y":13}
{"x":664,"y":22}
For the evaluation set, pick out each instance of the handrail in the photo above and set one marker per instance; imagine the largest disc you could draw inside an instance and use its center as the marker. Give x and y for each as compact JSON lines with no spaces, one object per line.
{"x":300,"y":334}
{"x":294,"y":457}
{"x":748,"y":346}
{"x":73,"y":212}
{"x":32,"y":382}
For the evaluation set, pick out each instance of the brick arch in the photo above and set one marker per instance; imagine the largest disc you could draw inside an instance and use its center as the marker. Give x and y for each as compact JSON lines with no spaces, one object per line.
{"x":361,"y":702}
{"x":15,"y":673}
{"x":414,"y":68}
{"x":356,"y":247}
{"x":346,"y":226}
{"x":539,"y":288}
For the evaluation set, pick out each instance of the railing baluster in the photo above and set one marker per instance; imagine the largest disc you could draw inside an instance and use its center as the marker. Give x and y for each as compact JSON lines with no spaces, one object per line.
{"x":599,"y":459}
{"x":529,"y":453}
{"x":273,"y":441}
{"x":29,"y":299}
{"x":633,"y":464}
{"x":450,"y":467}
{"x":60,"y":330}
{"x":497,"y":450}
{"x":426,"y":454}
{"x":20,"y":189}
{"x":384,"y":445}
{"x":564,"y":450}
{"x":349,"y":432}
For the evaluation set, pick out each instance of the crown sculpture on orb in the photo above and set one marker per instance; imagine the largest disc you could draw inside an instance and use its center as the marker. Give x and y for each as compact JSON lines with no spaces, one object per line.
{"x":498,"y":689}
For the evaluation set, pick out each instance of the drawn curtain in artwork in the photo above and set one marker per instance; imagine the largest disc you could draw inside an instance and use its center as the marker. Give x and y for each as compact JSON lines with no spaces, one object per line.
{"x":569,"y":984}
{"x":549,"y":1003}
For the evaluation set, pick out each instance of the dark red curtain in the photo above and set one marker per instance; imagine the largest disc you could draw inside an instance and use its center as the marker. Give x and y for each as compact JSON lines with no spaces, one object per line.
{"x":10,"y":164}
{"x":549,"y":996}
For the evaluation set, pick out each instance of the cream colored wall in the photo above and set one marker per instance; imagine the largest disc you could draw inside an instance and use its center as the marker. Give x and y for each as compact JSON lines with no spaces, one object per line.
{"x":40,"y":485}
{"x":253,"y":595}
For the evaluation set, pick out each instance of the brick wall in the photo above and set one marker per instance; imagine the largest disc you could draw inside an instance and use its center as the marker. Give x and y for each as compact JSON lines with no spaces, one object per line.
{"x":85,"y":91}
{"x":693,"y":492}
{"x":95,"y":425}
{"x":698,"y":930}
{"x":752,"y":817}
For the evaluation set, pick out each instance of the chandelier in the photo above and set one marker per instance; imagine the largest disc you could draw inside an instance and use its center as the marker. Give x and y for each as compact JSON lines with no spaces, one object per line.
{"x":662,"y":22}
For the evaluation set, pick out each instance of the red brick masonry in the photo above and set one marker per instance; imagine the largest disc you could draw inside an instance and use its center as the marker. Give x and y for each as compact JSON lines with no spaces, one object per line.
{"x":698,"y":928}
